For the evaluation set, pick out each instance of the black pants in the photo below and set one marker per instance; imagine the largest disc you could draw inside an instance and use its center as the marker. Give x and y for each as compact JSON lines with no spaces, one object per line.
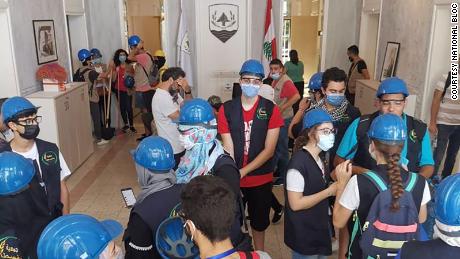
{"x":96,"y":118}
{"x":126,"y":107}
{"x":448,"y":138}
{"x":300,"y":89}
{"x":148,"y":116}
{"x":275,"y":204}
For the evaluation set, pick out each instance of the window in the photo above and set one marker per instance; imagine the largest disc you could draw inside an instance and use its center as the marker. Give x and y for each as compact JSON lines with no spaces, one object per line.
{"x":286,"y":40}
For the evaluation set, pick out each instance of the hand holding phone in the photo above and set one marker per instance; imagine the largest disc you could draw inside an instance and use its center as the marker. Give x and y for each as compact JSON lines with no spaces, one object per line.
{"x":128,"y":197}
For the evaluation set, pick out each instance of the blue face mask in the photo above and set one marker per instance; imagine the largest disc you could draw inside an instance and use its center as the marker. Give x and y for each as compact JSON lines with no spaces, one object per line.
{"x":250,"y":90}
{"x":122,"y":58}
{"x":335,"y":99}
{"x":276,"y":76}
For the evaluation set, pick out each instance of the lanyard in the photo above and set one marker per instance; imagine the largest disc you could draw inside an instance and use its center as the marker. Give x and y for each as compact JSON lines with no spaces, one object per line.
{"x":224,"y":254}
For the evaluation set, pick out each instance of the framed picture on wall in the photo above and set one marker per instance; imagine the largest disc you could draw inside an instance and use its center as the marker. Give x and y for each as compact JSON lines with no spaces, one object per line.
{"x":390,"y":60}
{"x":45,"y":41}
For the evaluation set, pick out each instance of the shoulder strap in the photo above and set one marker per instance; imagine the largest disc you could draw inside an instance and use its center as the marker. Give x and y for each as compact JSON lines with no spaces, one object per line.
{"x":446,"y":85}
{"x":411,"y":181}
{"x":376,"y":180}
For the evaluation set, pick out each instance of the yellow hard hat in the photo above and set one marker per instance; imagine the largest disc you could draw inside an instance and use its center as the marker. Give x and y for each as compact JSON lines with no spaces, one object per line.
{"x":159,"y":53}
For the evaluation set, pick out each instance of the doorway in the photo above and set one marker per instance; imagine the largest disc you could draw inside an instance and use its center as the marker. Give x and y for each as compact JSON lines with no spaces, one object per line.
{"x":368,"y":39}
{"x":78,"y":38}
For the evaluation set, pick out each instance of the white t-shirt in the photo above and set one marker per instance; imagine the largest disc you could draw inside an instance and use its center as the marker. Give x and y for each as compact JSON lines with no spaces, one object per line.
{"x":295,"y":181}
{"x":33,"y":155}
{"x":162,"y":107}
{"x":350,"y":196}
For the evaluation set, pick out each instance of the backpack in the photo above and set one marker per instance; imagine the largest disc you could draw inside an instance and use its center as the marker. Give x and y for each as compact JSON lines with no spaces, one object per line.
{"x":385,"y":231}
{"x":80,"y":76}
{"x":446,"y":85}
{"x":154,"y":75}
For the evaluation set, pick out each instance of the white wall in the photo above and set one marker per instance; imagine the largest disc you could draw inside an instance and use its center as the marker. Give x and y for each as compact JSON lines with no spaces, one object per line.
{"x":104,"y":26}
{"x":342,"y":31}
{"x":7,"y":66}
{"x":22,"y":13}
{"x":409,"y":23}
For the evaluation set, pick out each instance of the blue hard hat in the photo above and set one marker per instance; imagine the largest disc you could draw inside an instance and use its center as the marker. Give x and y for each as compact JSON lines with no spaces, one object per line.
{"x":173,"y":242}
{"x":129,"y":81}
{"x":76,"y":236}
{"x":15,"y":106}
{"x":252,"y":66}
{"x":134,"y":40}
{"x":447,"y":201}
{"x":196,"y":112}
{"x":83,"y":54}
{"x":315,"y":117}
{"x":16,"y":172}
{"x":155,"y":154}
{"x":95,"y":53}
{"x":315,"y":81}
{"x":388,"y":127}
{"x":392,"y":85}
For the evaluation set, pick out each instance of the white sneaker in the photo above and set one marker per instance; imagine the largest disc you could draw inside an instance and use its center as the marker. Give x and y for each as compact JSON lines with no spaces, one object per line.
{"x":102,"y":142}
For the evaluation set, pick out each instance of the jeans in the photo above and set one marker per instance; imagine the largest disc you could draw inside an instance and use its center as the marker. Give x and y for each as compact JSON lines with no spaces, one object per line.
{"x":448,"y":138}
{"x":96,"y":117}
{"x":126,"y":108}
{"x":281,"y":158}
{"x":296,"y":255}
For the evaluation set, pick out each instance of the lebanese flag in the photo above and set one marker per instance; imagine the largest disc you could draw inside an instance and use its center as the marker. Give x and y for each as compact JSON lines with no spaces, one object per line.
{"x":269,"y":46}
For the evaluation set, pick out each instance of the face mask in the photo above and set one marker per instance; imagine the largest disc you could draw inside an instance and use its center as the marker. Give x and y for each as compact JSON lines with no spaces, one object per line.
{"x":351,"y":59}
{"x":276,"y":76}
{"x":97,"y":61}
{"x":326,"y":142}
{"x":186,"y":141}
{"x":30,"y":131}
{"x":172,"y":90}
{"x":335,"y":99}
{"x":160,"y":62}
{"x":250,"y":90}
{"x":122,"y":59}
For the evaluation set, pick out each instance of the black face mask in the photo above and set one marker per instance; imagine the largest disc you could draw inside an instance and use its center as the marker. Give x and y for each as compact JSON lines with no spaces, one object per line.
{"x":350,"y":58}
{"x":172,"y":91}
{"x":30,"y":132}
{"x":161,"y":62}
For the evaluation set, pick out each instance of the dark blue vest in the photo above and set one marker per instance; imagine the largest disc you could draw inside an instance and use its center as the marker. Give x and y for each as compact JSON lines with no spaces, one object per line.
{"x":429,"y":249}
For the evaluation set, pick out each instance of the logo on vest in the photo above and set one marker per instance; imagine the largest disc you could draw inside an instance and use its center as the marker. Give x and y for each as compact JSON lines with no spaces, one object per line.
{"x":262,"y":114}
{"x":413,"y":136}
{"x":9,"y":248}
{"x":49,"y":157}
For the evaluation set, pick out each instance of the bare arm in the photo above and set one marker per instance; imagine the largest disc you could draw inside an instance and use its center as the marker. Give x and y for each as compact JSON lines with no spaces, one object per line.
{"x":299,"y":202}
{"x":174,"y":115}
{"x":422,"y":214}
{"x":365,"y":74}
{"x":426,"y":171}
{"x":65,"y":198}
{"x":356,"y":169}
{"x":303,"y":105}
{"x":437,"y":98}
{"x":290,"y":102}
{"x":341,"y":214}
{"x":267,"y":152}
{"x":228,"y":144}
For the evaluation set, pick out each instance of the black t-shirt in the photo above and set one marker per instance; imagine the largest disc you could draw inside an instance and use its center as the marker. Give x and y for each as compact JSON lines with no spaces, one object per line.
{"x":361,"y":65}
{"x":367,"y":194}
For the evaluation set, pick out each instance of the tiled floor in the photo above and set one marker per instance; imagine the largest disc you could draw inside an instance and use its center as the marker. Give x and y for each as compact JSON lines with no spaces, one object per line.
{"x":95,"y":189}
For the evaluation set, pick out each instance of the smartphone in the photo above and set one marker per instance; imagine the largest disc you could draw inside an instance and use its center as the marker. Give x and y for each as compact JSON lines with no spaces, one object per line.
{"x":128,"y":197}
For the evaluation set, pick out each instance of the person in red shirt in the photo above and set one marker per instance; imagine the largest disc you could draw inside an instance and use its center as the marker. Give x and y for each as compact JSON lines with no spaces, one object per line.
{"x":249,"y":126}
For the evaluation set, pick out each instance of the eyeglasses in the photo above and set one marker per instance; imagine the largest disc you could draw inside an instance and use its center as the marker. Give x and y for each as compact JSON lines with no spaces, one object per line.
{"x":31,"y":121}
{"x":247,"y":80}
{"x":393,"y":102}
{"x":327,"y":131}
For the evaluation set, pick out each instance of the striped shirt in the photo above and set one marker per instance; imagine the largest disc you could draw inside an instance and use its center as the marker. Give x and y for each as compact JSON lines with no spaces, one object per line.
{"x":449,"y":110}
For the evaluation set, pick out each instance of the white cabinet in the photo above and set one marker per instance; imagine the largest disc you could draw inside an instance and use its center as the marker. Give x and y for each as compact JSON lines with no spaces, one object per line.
{"x":66,"y":121}
{"x":366,"y":101}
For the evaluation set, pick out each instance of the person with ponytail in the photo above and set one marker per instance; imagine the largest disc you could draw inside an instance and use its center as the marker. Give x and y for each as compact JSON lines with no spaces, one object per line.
{"x":387,"y":135}
{"x":307,"y":228}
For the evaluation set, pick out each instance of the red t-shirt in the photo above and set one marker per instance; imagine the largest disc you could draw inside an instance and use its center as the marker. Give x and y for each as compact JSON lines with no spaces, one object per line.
{"x":288,"y":90}
{"x":276,"y":121}
{"x":120,"y":83}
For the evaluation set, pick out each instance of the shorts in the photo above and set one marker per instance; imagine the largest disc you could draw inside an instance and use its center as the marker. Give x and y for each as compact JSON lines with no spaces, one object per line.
{"x":259,"y":199}
{"x":139,"y":100}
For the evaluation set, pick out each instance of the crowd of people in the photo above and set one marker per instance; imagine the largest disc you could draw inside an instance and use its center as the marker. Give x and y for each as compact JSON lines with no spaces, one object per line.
{"x":207,"y":168}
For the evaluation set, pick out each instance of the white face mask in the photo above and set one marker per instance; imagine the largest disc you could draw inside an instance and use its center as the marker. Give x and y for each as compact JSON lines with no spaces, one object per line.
{"x":186,"y":142}
{"x":326,"y":142}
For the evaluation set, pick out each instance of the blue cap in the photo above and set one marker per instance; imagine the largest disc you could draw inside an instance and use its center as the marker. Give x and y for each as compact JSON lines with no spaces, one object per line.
{"x":196,"y":112}
{"x":315,"y":81}
{"x":172,"y":241}
{"x":77,"y":236}
{"x":388,"y":127}
{"x":15,"y":106}
{"x":392,"y":85}
{"x":155,"y":154}
{"x":95,"y":53}
{"x":447,"y":201}
{"x":83,"y":54}
{"x":315,"y":117}
{"x":254,"y":67}
{"x":16,"y":172}
{"x":134,"y":40}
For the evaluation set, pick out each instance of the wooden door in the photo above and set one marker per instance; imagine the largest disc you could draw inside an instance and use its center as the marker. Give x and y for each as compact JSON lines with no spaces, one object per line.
{"x":148,"y":28}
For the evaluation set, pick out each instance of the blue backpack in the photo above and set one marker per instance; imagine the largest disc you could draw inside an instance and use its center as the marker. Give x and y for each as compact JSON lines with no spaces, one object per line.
{"x":385,"y":231}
